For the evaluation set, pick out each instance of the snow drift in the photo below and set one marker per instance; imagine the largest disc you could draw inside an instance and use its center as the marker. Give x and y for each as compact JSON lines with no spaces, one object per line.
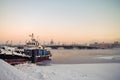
{"x":8,"y":72}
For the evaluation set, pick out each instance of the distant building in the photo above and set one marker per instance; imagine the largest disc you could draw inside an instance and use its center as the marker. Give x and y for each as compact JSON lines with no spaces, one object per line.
{"x":116,"y":44}
{"x":101,"y":45}
{"x":51,"y":42}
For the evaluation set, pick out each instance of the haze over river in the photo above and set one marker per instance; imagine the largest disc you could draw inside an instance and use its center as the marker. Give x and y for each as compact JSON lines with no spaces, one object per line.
{"x":78,"y":56}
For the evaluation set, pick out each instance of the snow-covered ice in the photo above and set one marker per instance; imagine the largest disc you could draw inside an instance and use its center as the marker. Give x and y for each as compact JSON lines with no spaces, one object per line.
{"x":102,"y":71}
{"x":115,"y":57}
{"x":73,"y":71}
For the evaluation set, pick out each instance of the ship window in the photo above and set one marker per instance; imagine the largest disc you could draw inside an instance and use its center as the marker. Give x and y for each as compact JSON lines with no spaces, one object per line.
{"x":39,"y":53}
{"x":42,"y":52}
{"x":33,"y":43}
{"x":27,"y":52}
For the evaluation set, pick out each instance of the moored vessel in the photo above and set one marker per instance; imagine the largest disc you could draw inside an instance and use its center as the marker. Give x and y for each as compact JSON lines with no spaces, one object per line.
{"x":30,"y":52}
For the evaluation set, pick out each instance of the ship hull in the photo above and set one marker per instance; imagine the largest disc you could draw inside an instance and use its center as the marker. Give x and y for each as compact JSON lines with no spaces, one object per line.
{"x":14,"y":59}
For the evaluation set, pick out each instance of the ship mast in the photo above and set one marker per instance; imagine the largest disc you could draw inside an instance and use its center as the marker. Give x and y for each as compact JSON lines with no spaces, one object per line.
{"x":32,"y":36}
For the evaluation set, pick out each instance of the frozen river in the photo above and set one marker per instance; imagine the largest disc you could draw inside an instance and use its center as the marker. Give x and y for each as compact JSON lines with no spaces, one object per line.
{"x":78,"y":56}
{"x":68,"y":65}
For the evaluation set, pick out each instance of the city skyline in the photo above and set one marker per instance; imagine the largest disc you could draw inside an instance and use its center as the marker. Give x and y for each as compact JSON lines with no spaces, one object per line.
{"x":62,"y":20}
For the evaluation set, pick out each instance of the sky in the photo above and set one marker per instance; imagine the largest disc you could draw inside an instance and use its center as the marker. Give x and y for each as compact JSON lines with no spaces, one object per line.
{"x":77,"y":21}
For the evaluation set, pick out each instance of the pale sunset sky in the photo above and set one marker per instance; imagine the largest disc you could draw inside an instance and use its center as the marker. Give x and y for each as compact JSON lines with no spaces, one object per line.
{"x":60,"y":20}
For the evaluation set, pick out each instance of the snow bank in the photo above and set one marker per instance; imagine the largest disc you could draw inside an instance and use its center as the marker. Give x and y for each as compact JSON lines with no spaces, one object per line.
{"x":73,"y":71}
{"x":8,"y":72}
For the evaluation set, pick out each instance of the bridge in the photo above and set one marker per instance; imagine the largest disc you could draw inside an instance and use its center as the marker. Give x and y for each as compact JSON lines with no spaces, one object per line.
{"x":63,"y":46}
{"x":69,"y":47}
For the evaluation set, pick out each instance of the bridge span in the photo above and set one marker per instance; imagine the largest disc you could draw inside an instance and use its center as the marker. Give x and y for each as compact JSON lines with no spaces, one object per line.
{"x":69,"y":47}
